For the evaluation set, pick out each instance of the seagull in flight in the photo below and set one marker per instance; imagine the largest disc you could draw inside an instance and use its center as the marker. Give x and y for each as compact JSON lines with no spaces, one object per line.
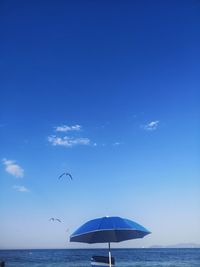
{"x":55,"y":219}
{"x":67,"y":174}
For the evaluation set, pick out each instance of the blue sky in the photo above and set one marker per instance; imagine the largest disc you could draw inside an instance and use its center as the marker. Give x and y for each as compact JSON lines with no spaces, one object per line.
{"x":108,"y":91}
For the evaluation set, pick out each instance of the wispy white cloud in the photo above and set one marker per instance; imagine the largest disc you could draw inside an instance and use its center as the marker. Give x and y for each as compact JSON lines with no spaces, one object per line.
{"x":151,"y":126}
{"x":67,"y":141}
{"x":116,"y":144}
{"x":20,"y":188}
{"x":12,"y":168}
{"x":66,"y":128}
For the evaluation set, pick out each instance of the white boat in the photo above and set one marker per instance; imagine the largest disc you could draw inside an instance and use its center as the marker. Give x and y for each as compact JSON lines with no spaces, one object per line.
{"x":102,"y":261}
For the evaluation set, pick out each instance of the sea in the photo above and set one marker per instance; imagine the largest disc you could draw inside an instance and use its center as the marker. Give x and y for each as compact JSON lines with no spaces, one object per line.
{"x":150,"y":257}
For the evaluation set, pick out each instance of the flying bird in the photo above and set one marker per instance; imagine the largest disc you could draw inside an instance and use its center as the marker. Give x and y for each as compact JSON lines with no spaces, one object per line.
{"x":67,"y":174}
{"x":55,"y":219}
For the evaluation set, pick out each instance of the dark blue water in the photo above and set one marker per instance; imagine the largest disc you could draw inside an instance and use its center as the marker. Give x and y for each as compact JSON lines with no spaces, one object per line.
{"x":81,"y":257}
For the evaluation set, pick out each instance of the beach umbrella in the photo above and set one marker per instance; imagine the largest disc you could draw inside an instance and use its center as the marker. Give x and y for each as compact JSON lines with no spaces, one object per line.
{"x":108,"y":229}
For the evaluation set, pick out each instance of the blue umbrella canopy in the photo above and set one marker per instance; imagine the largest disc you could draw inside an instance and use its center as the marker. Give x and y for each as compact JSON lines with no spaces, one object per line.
{"x":108,"y":229}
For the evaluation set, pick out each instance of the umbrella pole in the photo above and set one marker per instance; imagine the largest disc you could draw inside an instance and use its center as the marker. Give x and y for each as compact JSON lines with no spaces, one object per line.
{"x":109,"y":254}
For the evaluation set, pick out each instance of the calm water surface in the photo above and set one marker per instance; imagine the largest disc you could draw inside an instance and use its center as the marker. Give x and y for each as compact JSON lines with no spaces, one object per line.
{"x":81,"y":257}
